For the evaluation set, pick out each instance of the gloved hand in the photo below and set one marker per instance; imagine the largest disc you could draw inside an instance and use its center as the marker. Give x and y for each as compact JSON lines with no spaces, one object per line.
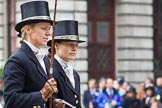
{"x":48,"y":89}
{"x":58,"y":103}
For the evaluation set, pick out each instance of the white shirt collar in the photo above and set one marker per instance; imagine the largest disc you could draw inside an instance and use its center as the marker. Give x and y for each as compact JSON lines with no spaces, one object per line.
{"x":38,"y":52}
{"x":33,"y":48}
{"x":65,"y":65}
{"x":61,"y":61}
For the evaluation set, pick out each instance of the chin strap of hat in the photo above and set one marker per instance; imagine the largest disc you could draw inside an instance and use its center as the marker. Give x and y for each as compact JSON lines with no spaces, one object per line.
{"x":52,"y":50}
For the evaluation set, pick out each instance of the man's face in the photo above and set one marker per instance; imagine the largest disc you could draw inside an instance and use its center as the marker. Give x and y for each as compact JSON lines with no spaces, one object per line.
{"x":39,"y":33}
{"x":159,"y":82}
{"x":92,"y":84}
{"x":130,"y":94}
{"x":149,"y":92}
{"x":66,"y":50}
{"x":109,"y":83}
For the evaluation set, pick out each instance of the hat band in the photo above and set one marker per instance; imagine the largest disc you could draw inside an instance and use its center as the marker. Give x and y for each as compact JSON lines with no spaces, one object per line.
{"x":37,"y":17}
{"x":67,"y":37}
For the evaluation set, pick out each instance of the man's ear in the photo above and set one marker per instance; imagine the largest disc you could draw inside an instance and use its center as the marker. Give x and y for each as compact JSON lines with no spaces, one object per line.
{"x":56,"y":45}
{"x":28,"y":29}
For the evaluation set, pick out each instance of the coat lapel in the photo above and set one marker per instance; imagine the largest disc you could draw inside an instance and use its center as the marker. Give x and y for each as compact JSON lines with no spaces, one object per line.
{"x":47,"y":65}
{"x":41,"y":71}
{"x":77,"y":86}
{"x":62,"y":72}
{"x":31,"y":55}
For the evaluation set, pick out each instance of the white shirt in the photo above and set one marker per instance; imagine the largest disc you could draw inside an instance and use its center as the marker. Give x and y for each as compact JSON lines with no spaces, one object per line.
{"x":68,"y":68}
{"x":110,"y":91}
{"x":38,"y":53}
{"x":93,"y":91}
{"x":1,"y":106}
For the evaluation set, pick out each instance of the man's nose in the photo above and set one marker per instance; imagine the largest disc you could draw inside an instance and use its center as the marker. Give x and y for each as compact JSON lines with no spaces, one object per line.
{"x":48,"y":32}
{"x":75,"y":47}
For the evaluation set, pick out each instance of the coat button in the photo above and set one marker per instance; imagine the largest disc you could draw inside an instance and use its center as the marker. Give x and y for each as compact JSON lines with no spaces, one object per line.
{"x":75,"y":96}
{"x":76,"y":101}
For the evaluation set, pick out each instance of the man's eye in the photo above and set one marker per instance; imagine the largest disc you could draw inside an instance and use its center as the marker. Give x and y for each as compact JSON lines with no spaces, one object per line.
{"x":72,"y":45}
{"x":43,"y":28}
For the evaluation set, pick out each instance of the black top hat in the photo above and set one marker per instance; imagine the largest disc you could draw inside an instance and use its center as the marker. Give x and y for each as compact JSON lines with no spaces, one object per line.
{"x":32,"y":12}
{"x":66,"y":30}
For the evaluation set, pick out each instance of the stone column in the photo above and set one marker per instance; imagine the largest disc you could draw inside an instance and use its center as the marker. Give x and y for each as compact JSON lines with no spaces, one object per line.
{"x":134,"y":39}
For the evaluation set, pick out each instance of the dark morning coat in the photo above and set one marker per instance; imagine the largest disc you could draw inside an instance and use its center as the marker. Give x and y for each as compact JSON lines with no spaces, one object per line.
{"x":65,"y":89}
{"x":23,"y":79}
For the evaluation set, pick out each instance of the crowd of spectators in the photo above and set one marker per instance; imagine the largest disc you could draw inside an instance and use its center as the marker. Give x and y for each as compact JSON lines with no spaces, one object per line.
{"x":118,"y":93}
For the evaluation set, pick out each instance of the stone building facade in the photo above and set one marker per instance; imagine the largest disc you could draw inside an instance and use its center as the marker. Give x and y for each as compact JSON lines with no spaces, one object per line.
{"x":134,"y":39}
{"x":134,"y":44}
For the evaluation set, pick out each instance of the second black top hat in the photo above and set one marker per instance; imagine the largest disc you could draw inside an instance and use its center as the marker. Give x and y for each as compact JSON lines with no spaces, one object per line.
{"x":66,"y":30}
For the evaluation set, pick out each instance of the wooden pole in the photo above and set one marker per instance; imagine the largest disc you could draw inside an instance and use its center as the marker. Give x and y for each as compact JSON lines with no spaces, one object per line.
{"x":52,"y":49}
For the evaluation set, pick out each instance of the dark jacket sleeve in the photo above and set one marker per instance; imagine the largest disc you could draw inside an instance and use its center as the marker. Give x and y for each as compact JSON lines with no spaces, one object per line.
{"x":14,"y":83}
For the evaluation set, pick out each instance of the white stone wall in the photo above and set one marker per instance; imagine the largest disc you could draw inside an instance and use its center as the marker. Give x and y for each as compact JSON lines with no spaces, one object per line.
{"x":1,"y":31}
{"x":134,"y":39}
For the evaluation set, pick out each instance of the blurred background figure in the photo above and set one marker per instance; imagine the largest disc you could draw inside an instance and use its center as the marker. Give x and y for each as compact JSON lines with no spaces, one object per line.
{"x":149,"y":95}
{"x":101,"y":84}
{"x":123,"y":89}
{"x":1,"y":99}
{"x":89,"y":96}
{"x":148,"y":80}
{"x":1,"y":94}
{"x":130,"y":100}
{"x":158,"y":88}
{"x":123,"y":86}
{"x":120,"y":79}
{"x":116,"y":85}
{"x":141,"y":91}
{"x":110,"y":97}
{"x":155,"y":103}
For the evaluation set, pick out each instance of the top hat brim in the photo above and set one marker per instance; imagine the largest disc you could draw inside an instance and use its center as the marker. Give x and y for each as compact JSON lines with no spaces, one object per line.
{"x":78,"y":41}
{"x":19,"y":25}
{"x":50,"y":41}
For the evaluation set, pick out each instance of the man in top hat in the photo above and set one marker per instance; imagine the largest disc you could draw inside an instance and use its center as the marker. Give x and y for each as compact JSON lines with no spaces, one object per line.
{"x":26,"y":81}
{"x":66,"y":41}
